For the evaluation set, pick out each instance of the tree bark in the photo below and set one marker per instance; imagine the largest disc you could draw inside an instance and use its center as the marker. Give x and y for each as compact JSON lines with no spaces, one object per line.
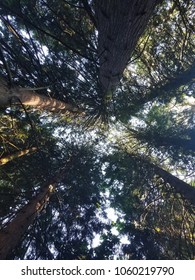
{"x":186,"y":190}
{"x":120,"y":23}
{"x":18,"y":154}
{"x":30,"y":98}
{"x":11,"y":234}
{"x":181,"y":187}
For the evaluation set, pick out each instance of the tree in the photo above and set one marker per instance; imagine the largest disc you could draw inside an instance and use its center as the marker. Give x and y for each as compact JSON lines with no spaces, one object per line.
{"x":17,"y":155}
{"x":113,"y":64}
{"x":109,"y":18}
{"x":156,"y":222}
{"x":12,"y":233}
{"x":180,"y":186}
{"x":156,"y":73}
{"x":30,"y":98}
{"x":119,"y":24}
{"x":22,"y":134}
{"x":76,"y":195}
{"x":187,"y":191}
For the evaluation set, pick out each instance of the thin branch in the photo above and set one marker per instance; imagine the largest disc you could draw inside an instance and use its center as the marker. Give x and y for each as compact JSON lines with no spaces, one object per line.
{"x":141,"y":52}
{"x":47,"y":33}
{"x":89,"y":12}
{"x":9,"y":75}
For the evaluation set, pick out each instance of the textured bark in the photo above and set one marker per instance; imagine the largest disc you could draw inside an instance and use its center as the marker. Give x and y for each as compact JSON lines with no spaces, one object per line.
{"x":11,"y":234}
{"x":31,"y":98}
{"x":120,"y":23}
{"x":18,"y":154}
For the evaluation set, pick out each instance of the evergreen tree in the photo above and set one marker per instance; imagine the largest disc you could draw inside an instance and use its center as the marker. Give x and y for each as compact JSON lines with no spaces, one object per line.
{"x":119,"y":76}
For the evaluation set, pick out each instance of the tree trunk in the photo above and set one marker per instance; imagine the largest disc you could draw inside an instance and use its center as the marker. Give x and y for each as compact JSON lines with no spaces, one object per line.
{"x":30,"y":98}
{"x":186,"y":190}
{"x":120,"y":23}
{"x":11,"y":234}
{"x":181,"y":187}
{"x":18,"y":154}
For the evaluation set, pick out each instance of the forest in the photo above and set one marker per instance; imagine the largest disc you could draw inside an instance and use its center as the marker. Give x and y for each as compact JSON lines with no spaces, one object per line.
{"x":97,"y":130}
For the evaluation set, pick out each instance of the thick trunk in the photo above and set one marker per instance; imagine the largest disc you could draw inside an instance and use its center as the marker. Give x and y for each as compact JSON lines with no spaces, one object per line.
{"x":31,"y":98}
{"x":11,"y":234}
{"x":18,"y":154}
{"x":186,"y":190}
{"x":119,"y":24}
{"x":181,"y":187}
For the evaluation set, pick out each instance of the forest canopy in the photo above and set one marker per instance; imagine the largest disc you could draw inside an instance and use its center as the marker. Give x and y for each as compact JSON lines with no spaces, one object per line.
{"x":97,"y":129}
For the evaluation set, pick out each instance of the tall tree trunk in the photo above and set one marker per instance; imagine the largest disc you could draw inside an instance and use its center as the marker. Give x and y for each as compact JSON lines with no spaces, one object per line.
{"x":30,"y":98}
{"x":120,"y":23}
{"x":11,"y":234}
{"x":181,"y":187}
{"x":186,"y":190}
{"x":18,"y":154}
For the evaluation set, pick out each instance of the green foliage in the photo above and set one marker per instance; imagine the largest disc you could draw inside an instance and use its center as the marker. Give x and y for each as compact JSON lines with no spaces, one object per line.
{"x":148,"y":119}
